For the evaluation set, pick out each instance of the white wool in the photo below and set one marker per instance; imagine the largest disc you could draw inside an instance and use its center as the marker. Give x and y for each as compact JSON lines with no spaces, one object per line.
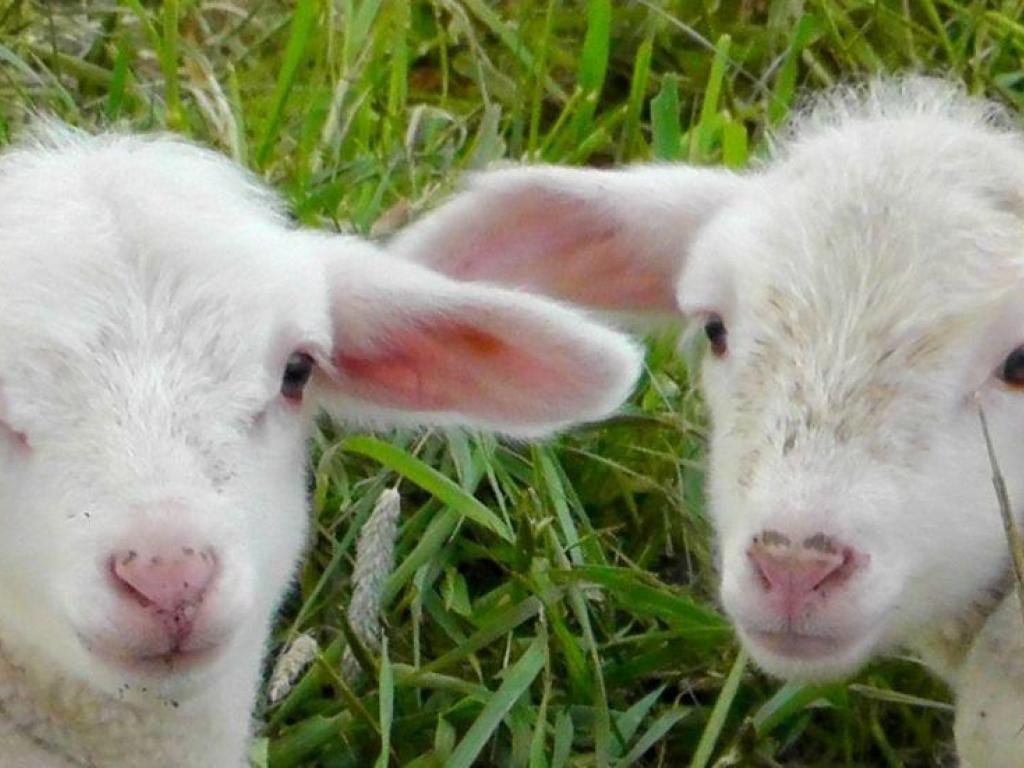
{"x":869,"y":273}
{"x":151,"y":293}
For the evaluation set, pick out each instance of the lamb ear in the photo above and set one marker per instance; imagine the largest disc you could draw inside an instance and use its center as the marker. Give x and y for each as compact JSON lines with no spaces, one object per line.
{"x":411,"y":346}
{"x":611,"y":240}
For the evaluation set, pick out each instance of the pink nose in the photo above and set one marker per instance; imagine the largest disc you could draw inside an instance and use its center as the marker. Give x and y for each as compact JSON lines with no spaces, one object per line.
{"x":169,"y":579}
{"x":796,"y":574}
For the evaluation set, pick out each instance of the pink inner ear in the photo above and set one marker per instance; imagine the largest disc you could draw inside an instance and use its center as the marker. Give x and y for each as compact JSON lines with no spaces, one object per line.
{"x":458,"y":367}
{"x":562,"y":247}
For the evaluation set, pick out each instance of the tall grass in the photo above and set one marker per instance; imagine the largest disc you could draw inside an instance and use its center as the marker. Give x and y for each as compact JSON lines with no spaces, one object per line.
{"x":552,"y":605}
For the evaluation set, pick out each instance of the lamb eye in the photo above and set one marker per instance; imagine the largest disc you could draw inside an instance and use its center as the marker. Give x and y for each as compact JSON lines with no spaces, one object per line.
{"x":1012,"y":371}
{"x":714,"y":328}
{"x":297,"y":372}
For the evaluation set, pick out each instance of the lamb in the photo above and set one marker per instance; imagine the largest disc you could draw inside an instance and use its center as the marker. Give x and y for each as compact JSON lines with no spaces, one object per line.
{"x":860,"y":293}
{"x":166,"y":338}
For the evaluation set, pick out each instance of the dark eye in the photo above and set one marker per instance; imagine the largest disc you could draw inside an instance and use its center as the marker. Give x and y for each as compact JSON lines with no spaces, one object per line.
{"x":297,"y":371}
{"x":1012,"y":371}
{"x":714,"y":328}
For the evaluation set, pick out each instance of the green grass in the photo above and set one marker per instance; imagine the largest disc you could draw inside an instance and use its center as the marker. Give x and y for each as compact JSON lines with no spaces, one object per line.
{"x":552,"y":605}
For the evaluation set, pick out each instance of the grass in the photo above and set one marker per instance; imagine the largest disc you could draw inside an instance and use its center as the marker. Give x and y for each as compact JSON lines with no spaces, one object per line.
{"x":552,"y":605}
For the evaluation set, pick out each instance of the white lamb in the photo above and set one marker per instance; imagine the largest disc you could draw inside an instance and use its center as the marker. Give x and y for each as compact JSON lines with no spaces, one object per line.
{"x":159,"y":325}
{"x":859,"y":289}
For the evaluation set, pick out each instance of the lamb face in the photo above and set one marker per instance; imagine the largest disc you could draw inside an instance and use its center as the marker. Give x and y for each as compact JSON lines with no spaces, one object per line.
{"x":849,"y":481}
{"x":860,"y":291}
{"x":165,"y":339}
{"x":153,"y":509}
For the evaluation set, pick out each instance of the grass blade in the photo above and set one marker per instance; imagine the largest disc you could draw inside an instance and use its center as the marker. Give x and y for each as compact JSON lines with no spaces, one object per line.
{"x":169,"y":65}
{"x":301,"y":30}
{"x":386,"y":689}
{"x":429,"y":479}
{"x":517,"y":679}
{"x":807,"y":30}
{"x":118,"y":80}
{"x":627,"y":723}
{"x":789,"y":700}
{"x":665,"y":128}
{"x":635,"y":103}
{"x":641,"y":594}
{"x":1014,"y":539}
{"x":713,"y":729}
{"x":593,"y":62}
{"x":564,"y":731}
{"x":709,"y":124}
{"x":653,"y":735}
{"x":498,"y":626}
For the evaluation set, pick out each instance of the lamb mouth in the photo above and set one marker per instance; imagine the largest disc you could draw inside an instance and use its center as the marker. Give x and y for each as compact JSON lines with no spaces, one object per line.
{"x":174,"y":661}
{"x":798,"y":645}
{"x":169,"y":663}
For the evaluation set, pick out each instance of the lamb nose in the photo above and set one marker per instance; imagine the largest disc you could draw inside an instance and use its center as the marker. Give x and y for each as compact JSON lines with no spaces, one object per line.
{"x":168,"y":578}
{"x":793,"y":571}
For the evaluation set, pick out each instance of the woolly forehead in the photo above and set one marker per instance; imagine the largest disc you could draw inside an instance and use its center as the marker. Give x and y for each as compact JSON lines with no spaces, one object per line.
{"x":99,"y":275}
{"x":840,"y":243}
{"x":188,"y":339}
{"x":853,"y":315}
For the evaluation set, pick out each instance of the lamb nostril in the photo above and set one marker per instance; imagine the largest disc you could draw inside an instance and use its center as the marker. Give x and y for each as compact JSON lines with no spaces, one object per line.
{"x":837,"y":577}
{"x":114,"y":566}
{"x":772,"y":538}
{"x":820,"y":543}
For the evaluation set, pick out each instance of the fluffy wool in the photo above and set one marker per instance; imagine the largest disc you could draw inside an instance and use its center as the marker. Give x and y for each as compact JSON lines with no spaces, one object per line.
{"x":151,"y":295}
{"x":863,"y":286}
